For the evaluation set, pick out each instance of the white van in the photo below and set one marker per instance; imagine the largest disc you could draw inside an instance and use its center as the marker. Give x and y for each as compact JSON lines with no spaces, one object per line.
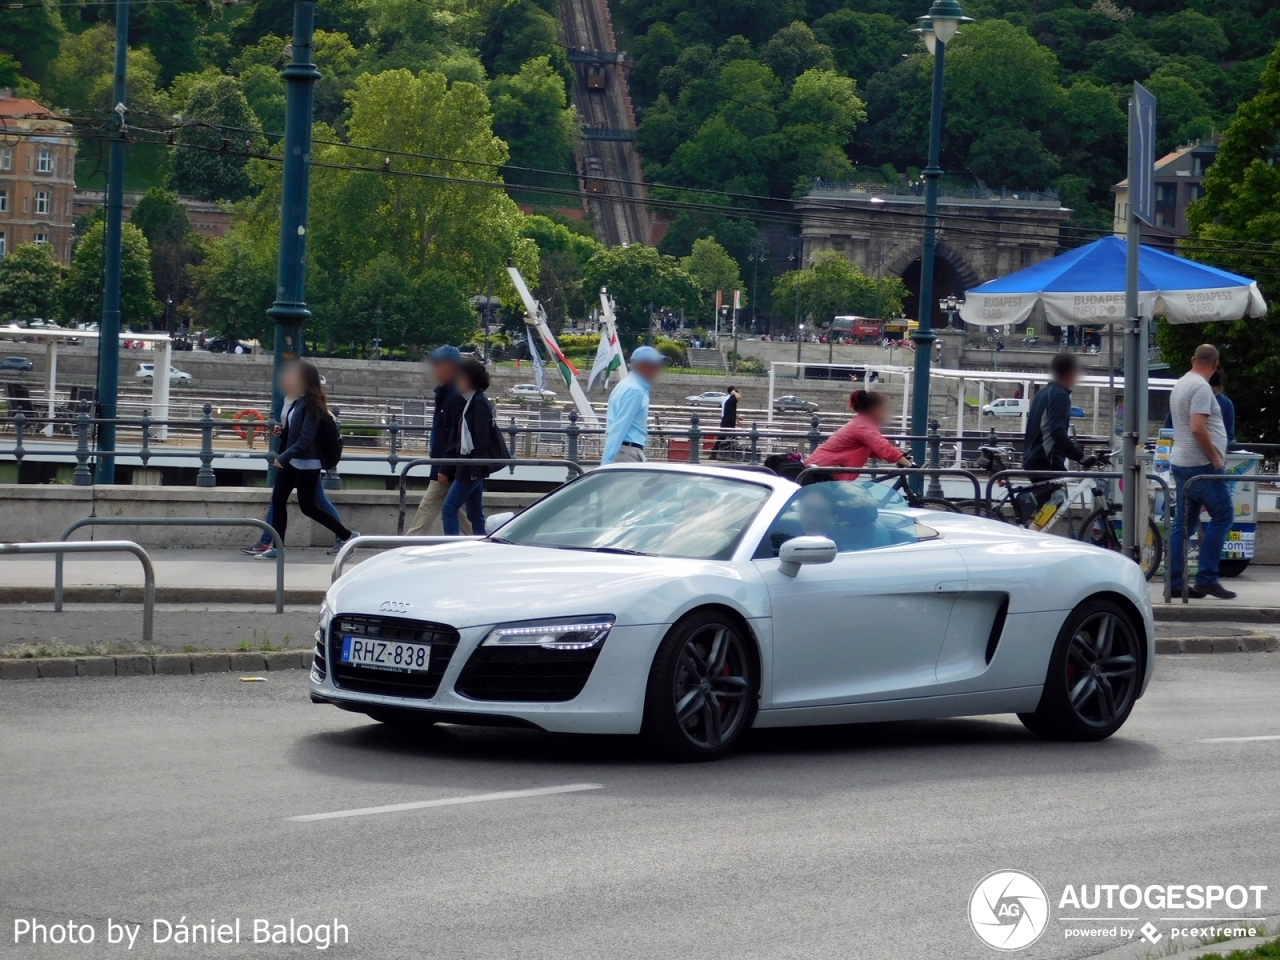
{"x":1006,"y":408}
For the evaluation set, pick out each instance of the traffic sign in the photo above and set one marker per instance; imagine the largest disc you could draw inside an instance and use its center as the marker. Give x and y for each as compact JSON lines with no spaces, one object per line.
{"x":1142,"y":154}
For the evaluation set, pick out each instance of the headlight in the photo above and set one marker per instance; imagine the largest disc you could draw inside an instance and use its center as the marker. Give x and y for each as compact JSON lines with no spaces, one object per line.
{"x":322,"y":627}
{"x":574,"y":633}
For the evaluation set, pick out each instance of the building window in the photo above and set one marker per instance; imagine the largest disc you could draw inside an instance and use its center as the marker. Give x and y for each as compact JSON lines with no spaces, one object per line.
{"x":42,"y":203}
{"x":4,"y":201}
{"x":1024,"y":257}
{"x":6,"y":159}
{"x":1194,"y":192}
{"x":44,"y":161}
{"x":2,"y":243}
{"x":42,"y":238}
{"x":1167,"y":193}
{"x":837,"y":246}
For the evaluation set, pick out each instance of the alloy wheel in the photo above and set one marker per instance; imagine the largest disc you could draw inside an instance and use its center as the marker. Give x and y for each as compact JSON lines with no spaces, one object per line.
{"x":1102,"y":669}
{"x":710,"y":686}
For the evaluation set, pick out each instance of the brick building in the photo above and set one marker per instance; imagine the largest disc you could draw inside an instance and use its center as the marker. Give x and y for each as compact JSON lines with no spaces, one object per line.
{"x":37,"y":176}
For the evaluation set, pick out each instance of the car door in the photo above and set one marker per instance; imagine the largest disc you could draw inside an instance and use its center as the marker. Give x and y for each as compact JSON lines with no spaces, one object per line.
{"x":868,"y":626}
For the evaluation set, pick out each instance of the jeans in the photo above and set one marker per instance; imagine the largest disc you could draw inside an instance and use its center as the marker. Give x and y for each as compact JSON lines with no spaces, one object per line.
{"x":429,"y":510}
{"x":1215,"y":497}
{"x":470,"y":493}
{"x":321,"y":501}
{"x":306,"y":482}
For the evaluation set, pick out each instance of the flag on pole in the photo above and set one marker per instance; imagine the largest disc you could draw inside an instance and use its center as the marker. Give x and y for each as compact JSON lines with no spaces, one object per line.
{"x":608,"y":357}
{"x":719,"y":300}
{"x":567,"y":369}
{"x":737,"y":299}
{"x":539,"y":374}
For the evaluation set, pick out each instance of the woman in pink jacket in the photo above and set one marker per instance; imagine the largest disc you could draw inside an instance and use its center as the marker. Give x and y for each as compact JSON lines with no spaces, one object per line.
{"x":860,"y":439}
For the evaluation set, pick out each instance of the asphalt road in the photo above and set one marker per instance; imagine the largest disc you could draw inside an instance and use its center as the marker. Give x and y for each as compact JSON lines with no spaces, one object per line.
{"x":170,"y":797}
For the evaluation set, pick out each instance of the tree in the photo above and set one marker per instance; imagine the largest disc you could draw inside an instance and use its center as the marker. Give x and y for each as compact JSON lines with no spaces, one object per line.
{"x":562,"y":254}
{"x":32,"y":36}
{"x":793,"y":50}
{"x":175,"y":247}
{"x":82,"y":291}
{"x":236,"y":284}
{"x":385,"y":302}
{"x":258,"y":69}
{"x":638,"y":278}
{"x":530,"y":113}
{"x":833,"y":287}
{"x":82,"y":76}
{"x":30,"y":282}
{"x":215,"y":114}
{"x":712,"y":269}
{"x":1231,"y":225}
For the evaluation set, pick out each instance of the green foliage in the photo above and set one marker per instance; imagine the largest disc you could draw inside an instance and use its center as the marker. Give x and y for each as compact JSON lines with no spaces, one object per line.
{"x":258,"y":69}
{"x":834,"y":287}
{"x":175,"y":247}
{"x":639,"y":277}
{"x":519,"y":31}
{"x":82,"y":291}
{"x":215,"y":110}
{"x":236,"y":282}
{"x":30,"y":282}
{"x":712,"y":269}
{"x":530,"y":112}
{"x":1237,"y":219}
{"x":32,"y":37}
{"x":562,"y":254}
{"x":82,"y":75}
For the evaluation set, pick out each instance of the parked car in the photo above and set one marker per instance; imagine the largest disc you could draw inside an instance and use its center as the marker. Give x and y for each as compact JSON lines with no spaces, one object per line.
{"x":1009,"y":407}
{"x":529,"y":391}
{"x":793,"y":404}
{"x":21,"y":364}
{"x":691,"y":603}
{"x":225,"y":345}
{"x":712,"y":398}
{"x":146,"y":371}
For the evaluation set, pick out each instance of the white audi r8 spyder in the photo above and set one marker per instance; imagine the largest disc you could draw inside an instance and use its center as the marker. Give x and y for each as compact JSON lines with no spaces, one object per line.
{"x":691,"y":603}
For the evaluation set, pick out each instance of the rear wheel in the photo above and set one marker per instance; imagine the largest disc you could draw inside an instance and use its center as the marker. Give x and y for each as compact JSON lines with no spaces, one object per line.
{"x":1093,"y":675}
{"x":702,"y":688}
{"x":1099,"y":528}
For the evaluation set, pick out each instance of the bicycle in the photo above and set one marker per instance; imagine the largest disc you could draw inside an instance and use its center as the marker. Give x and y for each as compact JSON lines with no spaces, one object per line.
{"x":1042,"y":504}
{"x":903,"y":486}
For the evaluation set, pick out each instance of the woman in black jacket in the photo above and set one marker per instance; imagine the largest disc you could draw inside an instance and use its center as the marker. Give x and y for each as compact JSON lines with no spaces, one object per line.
{"x":298,"y":462}
{"x":476,"y":438}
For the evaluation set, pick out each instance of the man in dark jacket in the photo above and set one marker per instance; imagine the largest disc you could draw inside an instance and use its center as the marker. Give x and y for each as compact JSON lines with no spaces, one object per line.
{"x":444,"y":439}
{"x":1048,"y":442}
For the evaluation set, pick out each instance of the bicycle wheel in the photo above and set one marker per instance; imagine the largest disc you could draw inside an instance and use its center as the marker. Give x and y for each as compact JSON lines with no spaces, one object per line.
{"x":1003,"y":510}
{"x":1099,"y":529}
{"x":938,"y":504}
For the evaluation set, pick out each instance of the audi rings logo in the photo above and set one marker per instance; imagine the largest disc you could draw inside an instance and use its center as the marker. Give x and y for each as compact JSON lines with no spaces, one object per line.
{"x":1008,"y":910}
{"x":394,"y":606}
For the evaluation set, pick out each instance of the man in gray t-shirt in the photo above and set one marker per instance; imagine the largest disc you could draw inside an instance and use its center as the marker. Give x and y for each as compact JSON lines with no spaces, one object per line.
{"x":1199,"y":443}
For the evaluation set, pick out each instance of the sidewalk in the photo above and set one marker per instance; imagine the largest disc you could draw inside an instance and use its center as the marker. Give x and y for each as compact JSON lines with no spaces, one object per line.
{"x":1257,"y":600}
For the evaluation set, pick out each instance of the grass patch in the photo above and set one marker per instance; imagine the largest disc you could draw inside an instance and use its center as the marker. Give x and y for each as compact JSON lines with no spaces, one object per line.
{"x":1267,"y":951}
{"x":57,"y":648}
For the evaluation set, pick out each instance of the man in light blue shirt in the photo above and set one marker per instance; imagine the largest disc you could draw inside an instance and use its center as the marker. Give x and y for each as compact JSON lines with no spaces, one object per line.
{"x":627,"y":420}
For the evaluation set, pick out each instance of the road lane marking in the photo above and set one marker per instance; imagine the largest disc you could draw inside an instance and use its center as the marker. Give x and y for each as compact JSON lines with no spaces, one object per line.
{"x":1239,"y":739}
{"x":451,"y":801}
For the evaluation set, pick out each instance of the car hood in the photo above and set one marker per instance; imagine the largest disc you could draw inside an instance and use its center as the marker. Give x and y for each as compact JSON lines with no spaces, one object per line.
{"x":480,"y":582}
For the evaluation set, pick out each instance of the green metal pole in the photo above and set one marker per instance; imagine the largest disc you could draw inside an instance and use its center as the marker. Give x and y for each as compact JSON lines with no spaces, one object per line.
{"x":924,"y":336}
{"x":290,"y":311}
{"x":109,"y":320}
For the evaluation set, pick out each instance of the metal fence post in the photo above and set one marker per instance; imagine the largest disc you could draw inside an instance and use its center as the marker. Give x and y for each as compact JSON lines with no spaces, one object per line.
{"x":19,"y":421}
{"x":393,"y":428}
{"x":145,"y":453}
{"x":815,"y":435}
{"x":83,"y":477}
{"x":695,"y":440}
{"x":512,"y":431}
{"x":205,"y":477}
{"x":332,"y":480}
{"x":935,"y":459}
{"x":755,"y":443}
{"x":571,"y":436}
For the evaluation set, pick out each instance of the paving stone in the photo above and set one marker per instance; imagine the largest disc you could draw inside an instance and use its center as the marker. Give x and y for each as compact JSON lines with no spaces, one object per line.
{"x":247,"y":662}
{"x":173,"y":663}
{"x":56,"y":667}
{"x":1168,"y":645}
{"x":96,"y":667}
{"x":18,"y":670}
{"x":1227,"y":645}
{"x":1197,"y":645}
{"x":284,"y":660}
{"x":210,"y":663}
{"x":136,"y":665}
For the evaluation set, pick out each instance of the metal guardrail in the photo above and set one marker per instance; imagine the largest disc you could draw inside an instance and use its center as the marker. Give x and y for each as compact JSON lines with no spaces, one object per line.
{"x":1185,"y":546}
{"x":60,"y":547}
{"x":172,"y":522}
{"x":880,"y":472}
{"x":385,"y":543}
{"x":575,"y":468}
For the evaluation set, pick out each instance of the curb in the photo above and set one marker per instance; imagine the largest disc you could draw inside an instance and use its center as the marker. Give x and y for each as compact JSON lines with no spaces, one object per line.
{"x":1255,"y":643}
{"x":161,"y":664}
{"x":1177,"y":611}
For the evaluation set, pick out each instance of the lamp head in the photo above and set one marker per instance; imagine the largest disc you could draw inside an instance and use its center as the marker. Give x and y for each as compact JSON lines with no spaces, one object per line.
{"x":925,"y":32}
{"x":947,"y":15}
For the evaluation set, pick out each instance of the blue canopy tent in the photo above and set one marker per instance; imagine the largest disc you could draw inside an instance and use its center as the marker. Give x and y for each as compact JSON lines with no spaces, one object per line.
{"x":1086,"y":286}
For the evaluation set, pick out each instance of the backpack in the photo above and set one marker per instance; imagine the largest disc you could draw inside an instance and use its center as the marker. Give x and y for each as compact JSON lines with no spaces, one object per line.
{"x":328,"y":442}
{"x":497,"y":443}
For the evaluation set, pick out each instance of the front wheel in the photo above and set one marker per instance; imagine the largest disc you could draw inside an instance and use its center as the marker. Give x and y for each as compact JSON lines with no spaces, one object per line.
{"x":1099,"y":528}
{"x":1093,"y":676}
{"x":702,"y":688}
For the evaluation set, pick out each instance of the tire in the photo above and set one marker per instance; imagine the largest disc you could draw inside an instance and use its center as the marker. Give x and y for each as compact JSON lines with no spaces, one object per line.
{"x":695,"y":710}
{"x":1232,"y":568}
{"x":938,"y":504}
{"x":1094,"y":672}
{"x":1099,"y":529}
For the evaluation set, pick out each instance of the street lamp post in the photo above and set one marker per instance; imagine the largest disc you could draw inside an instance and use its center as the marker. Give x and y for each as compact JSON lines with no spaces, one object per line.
{"x":937,"y":30}
{"x":799,"y":347}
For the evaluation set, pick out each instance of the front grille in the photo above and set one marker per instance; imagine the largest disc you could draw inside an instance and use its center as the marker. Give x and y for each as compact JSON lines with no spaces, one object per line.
{"x":526,"y":673}
{"x":319,"y":666}
{"x":396,"y":683}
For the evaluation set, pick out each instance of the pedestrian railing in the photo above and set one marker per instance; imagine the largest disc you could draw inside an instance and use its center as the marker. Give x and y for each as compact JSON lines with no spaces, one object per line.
{"x":385,"y":543}
{"x":880,"y":473}
{"x":60,"y":547}
{"x":172,"y":522}
{"x":574,"y":469}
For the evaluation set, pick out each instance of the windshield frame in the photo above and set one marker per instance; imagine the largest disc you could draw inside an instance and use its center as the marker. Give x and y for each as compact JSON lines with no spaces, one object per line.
{"x":775,"y":494}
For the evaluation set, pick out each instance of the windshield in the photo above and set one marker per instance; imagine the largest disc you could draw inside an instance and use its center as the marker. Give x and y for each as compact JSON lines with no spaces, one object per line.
{"x":651,"y":512}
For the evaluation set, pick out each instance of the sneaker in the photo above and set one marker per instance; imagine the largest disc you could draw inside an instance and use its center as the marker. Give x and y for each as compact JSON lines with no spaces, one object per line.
{"x":254,"y":550}
{"x":1215,"y":589}
{"x":337,"y":546}
{"x":267,"y":554}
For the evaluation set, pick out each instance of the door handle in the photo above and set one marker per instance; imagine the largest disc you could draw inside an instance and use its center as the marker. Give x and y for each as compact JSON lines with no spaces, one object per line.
{"x":952,"y":586}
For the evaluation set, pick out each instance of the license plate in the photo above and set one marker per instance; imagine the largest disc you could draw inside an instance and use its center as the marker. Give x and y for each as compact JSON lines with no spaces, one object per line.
{"x":385,"y":654}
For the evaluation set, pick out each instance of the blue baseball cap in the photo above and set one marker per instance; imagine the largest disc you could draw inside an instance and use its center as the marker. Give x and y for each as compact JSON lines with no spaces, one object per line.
{"x":647,"y":354}
{"x":448,"y":352}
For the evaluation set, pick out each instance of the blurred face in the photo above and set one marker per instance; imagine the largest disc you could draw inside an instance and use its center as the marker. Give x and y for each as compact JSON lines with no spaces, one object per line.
{"x":463,"y":383}
{"x":444,"y":370}
{"x":291,"y":382}
{"x":1070,"y":379}
{"x":646,"y":371}
{"x":878,"y":413}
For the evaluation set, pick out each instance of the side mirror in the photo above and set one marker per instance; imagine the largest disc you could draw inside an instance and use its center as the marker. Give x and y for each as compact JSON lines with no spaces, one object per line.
{"x":491,"y":524}
{"x":801,"y":550}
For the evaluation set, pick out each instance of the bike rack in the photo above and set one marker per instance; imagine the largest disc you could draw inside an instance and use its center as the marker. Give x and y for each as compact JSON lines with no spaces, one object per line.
{"x":60,"y":547}
{"x":1185,"y":546}
{"x":572,"y":465}
{"x":171,"y":522}
{"x":879,"y":472}
{"x":385,"y":543}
